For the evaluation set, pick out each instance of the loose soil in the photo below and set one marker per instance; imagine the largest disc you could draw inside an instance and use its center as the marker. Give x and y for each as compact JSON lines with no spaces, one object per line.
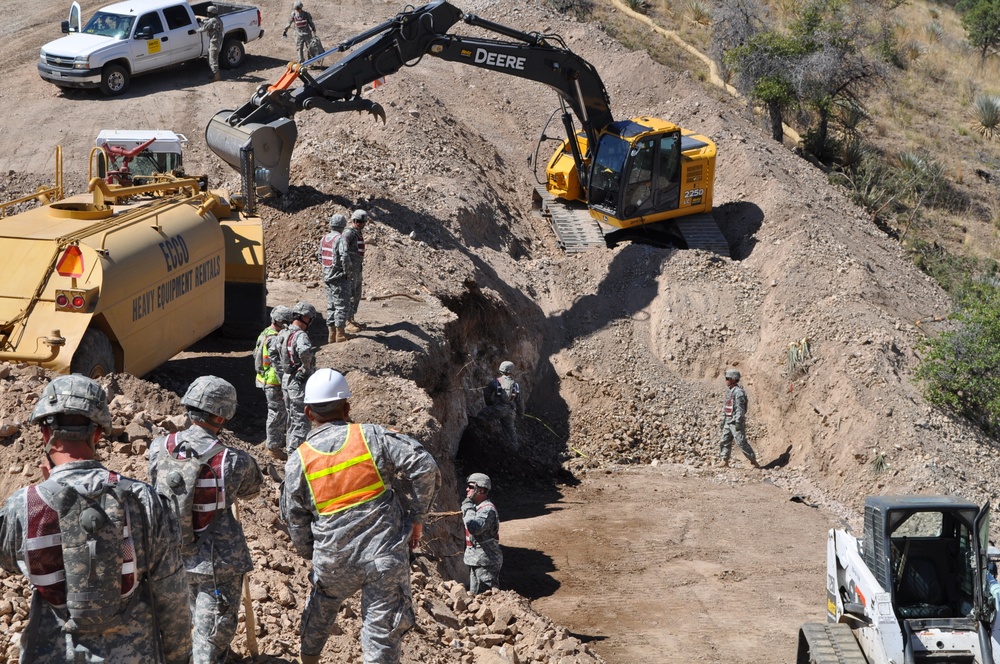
{"x":615,"y":523}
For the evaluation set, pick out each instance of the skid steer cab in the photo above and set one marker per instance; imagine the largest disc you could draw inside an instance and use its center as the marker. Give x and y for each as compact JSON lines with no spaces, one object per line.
{"x":915,"y":588}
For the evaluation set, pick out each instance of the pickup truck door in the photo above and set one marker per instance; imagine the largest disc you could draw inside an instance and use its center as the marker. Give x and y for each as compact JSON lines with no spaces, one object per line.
{"x":182,"y":33}
{"x":75,"y":18}
{"x":150,"y":44}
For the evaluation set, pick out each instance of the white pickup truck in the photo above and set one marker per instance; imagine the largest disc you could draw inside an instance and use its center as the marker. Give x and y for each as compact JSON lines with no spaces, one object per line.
{"x":139,"y":36}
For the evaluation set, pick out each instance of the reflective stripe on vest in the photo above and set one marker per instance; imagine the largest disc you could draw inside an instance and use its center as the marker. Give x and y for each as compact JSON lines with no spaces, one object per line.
{"x":361,"y":245}
{"x":326,"y":248}
{"x":301,"y":23}
{"x":270,"y":375}
{"x":729,"y":404}
{"x":43,"y":550}
{"x":209,"y":488}
{"x":343,"y":479}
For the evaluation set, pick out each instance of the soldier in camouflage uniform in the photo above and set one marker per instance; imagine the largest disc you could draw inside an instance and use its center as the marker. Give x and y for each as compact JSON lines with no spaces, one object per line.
{"x":482,"y":535}
{"x":142,"y":567}
{"x":336,"y":262}
{"x":350,"y":519}
{"x":218,"y":557}
{"x":734,"y":421}
{"x":297,"y":361}
{"x":213,"y":27}
{"x":269,"y":380}
{"x":304,"y":30}
{"x":356,"y":248}
{"x":503,"y":399}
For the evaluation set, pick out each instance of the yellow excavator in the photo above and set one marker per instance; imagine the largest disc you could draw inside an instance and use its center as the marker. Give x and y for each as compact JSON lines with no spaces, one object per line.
{"x":640,"y":180}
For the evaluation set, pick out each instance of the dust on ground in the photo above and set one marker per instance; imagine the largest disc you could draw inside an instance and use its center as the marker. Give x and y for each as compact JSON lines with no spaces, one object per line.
{"x":620,"y":353}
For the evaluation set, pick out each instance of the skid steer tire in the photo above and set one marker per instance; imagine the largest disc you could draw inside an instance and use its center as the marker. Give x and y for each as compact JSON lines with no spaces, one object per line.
{"x":828,"y":643}
{"x":94,"y":357}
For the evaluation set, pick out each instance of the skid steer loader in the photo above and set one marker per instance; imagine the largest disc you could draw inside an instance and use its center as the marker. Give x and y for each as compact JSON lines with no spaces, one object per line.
{"x":914,"y":588}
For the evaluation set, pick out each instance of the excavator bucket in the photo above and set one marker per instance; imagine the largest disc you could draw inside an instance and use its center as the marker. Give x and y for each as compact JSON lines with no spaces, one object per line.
{"x":261,"y":152}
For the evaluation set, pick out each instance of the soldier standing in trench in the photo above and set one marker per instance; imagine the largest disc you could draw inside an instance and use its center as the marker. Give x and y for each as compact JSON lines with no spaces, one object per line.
{"x":336,"y":261}
{"x":734,"y":424}
{"x":482,"y":535}
{"x":269,"y":379}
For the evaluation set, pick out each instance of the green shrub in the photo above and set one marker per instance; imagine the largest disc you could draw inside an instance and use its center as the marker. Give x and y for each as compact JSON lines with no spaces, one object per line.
{"x":961,"y":366}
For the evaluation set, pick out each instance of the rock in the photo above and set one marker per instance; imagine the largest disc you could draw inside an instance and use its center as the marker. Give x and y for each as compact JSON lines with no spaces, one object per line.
{"x":258,"y":593}
{"x":285,"y":597}
{"x":8,"y":429}
{"x":485,"y":615}
{"x":135,"y":430}
{"x":503,"y":617}
{"x":441,"y":613}
{"x":482,"y":655}
{"x":6,"y":607}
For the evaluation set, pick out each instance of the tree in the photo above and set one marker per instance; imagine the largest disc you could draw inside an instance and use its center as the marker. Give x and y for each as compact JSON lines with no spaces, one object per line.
{"x":760,"y":58}
{"x":982,"y":26}
{"x":821,"y":61}
{"x":838,"y":65}
{"x":961,"y":367}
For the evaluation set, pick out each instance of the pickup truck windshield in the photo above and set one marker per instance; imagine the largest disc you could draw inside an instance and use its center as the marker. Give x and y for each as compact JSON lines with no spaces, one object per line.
{"x":109,"y":25}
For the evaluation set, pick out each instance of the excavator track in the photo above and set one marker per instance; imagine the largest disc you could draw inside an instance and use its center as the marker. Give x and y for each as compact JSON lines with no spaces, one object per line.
{"x":577,"y":231}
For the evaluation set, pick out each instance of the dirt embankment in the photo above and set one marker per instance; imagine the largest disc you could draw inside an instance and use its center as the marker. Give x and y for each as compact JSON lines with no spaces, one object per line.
{"x":620,"y":353}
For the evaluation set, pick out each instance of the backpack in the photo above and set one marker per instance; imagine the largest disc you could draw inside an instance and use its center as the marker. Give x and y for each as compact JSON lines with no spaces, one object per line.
{"x":89,"y":539}
{"x":177,"y":481}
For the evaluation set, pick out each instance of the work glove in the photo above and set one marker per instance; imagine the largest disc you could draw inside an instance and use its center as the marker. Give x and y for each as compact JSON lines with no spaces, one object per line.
{"x":284,"y":35}
{"x":468,"y":504}
{"x":301,"y":375}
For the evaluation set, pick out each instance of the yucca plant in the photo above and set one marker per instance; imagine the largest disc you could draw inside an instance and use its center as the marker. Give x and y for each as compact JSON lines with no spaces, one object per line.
{"x":987,"y":115}
{"x":853,"y":152}
{"x":934,"y":31}
{"x":700,"y":13}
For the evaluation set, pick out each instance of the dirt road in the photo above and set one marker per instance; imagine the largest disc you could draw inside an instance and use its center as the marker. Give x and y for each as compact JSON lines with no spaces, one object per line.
{"x":663,"y":564}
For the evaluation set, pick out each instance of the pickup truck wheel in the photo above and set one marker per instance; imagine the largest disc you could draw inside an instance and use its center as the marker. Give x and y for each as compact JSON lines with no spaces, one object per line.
{"x":114,"y":80}
{"x":233,"y":53}
{"x":94,"y":356}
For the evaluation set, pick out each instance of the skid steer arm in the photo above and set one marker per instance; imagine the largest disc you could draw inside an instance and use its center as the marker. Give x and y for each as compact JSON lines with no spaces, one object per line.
{"x":264,"y":125}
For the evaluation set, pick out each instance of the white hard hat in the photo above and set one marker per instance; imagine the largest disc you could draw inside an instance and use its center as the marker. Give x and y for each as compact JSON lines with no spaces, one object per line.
{"x":326,"y":385}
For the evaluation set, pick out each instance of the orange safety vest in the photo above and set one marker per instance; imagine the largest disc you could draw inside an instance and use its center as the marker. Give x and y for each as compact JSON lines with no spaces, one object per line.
{"x":343,"y":479}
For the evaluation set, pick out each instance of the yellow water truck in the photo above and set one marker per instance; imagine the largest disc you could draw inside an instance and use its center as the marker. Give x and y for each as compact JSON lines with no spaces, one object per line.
{"x":123,"y":278}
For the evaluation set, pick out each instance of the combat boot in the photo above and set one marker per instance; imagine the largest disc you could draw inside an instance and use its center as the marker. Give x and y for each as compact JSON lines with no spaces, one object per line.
{"x":309,"y":659}
{"x":342,"y":335}
{"x":278,"y":454}
{"x":332,"y":338}
{"x":217,"y":76}
{"x":353,"y":326}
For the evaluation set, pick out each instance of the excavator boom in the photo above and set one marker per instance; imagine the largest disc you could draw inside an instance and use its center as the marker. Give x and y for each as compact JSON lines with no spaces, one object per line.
{"x":258,"y":138}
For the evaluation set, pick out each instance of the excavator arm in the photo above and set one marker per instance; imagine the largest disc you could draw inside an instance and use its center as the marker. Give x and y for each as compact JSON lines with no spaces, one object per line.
{"x":258,"y":138}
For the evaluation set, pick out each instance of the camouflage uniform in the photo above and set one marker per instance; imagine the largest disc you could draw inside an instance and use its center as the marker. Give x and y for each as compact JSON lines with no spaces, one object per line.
{"x":134,"y":640}
{"x":482,"y":544}
{"x":304,"y":30}
{"x":215,"y":571}
{"x":363,"y":546}
{"x":356,"y":248}
{"x":213,"y":27}
{"x":337,"y":275}
{"x":270,"y":381}
{"x":734,"y":413}
{"x":503,"y":396}
{"x":296,"y":367}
